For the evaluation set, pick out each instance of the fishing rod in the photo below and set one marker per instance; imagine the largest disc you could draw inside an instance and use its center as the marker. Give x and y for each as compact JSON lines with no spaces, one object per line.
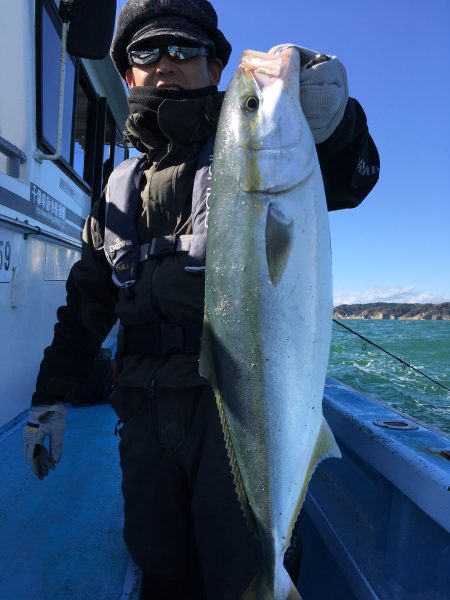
{"x":390,"y":354}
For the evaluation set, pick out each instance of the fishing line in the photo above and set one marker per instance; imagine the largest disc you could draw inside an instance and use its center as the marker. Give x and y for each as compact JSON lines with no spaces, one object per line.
{"x":404,"y":363}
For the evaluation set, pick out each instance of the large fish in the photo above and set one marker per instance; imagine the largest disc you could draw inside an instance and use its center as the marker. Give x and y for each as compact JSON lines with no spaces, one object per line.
{"x":268,"y":305}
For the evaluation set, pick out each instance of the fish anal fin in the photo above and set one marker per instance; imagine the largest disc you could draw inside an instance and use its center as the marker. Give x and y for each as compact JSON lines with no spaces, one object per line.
{"x":279,"y":234}
{"x":325,"y":447}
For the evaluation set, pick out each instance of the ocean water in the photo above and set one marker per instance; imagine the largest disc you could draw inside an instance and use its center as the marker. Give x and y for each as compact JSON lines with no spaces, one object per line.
{"x":423,"y":344}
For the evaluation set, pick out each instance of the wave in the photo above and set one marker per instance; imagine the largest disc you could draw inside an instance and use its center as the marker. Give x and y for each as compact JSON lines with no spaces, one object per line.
{"x":423,"y":344}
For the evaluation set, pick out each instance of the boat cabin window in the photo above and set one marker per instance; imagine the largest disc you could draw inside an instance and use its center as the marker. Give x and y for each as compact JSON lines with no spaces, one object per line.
{"x":51,"y":48}
{"x":114,"y":150}
{"x":120,"y":151}
{"x":108,"y":148}
{"x":82,"y":115}
{"x":83,"y":142}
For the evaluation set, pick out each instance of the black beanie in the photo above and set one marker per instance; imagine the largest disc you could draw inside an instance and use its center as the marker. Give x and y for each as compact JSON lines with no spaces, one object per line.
{"x":192,"y":20}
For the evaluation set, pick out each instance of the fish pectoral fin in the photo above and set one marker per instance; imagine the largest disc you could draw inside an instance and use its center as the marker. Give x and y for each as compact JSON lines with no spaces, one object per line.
{"x":279,"y":234}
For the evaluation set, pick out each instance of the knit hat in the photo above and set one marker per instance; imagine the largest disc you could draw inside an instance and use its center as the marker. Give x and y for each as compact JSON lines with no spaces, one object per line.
{"x":193,"y":21}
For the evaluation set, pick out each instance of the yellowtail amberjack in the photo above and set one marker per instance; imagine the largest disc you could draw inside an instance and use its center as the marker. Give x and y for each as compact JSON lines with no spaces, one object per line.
{"x":268,"y":306}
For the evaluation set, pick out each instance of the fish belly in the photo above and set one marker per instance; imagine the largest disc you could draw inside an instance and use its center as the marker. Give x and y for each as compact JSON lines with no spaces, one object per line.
{"x":268,"y":347}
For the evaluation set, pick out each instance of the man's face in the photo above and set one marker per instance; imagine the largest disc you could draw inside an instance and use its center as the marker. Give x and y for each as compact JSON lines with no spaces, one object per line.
{"x":175,"y":74}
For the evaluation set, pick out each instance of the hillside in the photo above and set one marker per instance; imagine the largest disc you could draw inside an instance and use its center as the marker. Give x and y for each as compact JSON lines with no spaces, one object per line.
{"x":392,"y":311}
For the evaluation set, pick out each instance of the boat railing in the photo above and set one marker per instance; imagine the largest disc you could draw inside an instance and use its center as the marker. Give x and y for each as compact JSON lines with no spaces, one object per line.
{"x":29,"y":229}
{"x":14,"y":155}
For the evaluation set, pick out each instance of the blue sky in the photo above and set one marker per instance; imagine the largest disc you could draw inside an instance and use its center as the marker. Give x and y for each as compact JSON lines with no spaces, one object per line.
{"x":395,"y":247}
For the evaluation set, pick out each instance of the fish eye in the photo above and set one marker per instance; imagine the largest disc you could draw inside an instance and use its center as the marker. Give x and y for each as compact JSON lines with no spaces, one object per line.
{"x":251,"y":104}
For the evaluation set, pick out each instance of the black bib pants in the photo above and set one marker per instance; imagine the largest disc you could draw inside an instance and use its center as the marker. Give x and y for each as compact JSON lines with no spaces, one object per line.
{"x":183,"y":525}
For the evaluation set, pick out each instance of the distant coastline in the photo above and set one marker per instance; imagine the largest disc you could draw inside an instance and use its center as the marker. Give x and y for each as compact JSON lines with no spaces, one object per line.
{"x":393,"y":311}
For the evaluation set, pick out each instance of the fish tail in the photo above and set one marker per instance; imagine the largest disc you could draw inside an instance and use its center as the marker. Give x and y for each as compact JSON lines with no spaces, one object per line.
{"x":279,"y":588}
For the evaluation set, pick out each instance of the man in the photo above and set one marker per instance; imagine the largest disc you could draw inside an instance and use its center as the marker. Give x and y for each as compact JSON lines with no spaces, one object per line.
{"x":183,"y":524}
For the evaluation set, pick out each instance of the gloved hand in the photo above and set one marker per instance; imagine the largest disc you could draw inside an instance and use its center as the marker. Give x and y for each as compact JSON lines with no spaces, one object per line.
{"x":45,"y":420}
{"x":323,"y":90}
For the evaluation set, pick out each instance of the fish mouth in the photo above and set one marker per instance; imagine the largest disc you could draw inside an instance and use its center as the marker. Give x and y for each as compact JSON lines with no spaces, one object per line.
{"x":275,"y":147}
{"x":266,"y":68}
{"x":261,"y":62}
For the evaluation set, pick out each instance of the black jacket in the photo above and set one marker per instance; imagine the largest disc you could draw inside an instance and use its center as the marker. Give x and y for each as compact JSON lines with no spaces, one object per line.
{"x":165,"y":292}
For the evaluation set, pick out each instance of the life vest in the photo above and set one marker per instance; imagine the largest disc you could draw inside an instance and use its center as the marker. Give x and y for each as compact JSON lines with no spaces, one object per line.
{"x":123,"y":195}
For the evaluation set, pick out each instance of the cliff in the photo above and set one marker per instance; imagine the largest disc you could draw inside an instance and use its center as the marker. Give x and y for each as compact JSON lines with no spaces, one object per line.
{"x":388,"y":310}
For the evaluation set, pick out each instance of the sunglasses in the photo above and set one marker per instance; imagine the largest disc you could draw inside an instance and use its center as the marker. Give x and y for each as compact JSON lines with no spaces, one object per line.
{"x":151,"y":56}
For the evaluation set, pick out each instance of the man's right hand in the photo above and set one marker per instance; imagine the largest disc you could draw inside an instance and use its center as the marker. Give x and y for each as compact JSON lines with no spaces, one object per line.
{"x":44,"y":420}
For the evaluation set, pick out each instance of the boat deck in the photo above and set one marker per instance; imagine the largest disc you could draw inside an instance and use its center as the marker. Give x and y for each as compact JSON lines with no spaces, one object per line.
{"x":61,"y":538}
{"x":375,"y":525}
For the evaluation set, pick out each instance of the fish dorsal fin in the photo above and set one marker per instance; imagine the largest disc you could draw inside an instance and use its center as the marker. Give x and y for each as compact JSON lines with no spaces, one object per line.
{"x":325,"y":447}
{"x":207,"y":369}
{"x":279,"y":234}
{"x":237,"y":478}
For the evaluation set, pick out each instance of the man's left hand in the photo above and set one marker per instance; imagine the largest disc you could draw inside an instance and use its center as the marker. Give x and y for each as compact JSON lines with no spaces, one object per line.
{"x":323,"y":90}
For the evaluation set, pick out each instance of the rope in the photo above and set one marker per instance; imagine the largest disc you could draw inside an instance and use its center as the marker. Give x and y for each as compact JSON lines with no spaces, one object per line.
{"x":404,"y":363}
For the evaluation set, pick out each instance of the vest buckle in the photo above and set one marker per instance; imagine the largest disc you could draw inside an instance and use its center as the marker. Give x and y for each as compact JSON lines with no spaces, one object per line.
{"x":163,"y":245}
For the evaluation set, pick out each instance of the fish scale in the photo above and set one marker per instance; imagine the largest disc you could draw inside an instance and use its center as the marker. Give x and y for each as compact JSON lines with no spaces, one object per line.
{"x":268,"y":304}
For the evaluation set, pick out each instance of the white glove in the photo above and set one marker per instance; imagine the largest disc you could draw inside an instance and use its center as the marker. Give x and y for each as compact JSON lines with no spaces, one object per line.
{"x":323,"y":90}
{"x":44,"y":420}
